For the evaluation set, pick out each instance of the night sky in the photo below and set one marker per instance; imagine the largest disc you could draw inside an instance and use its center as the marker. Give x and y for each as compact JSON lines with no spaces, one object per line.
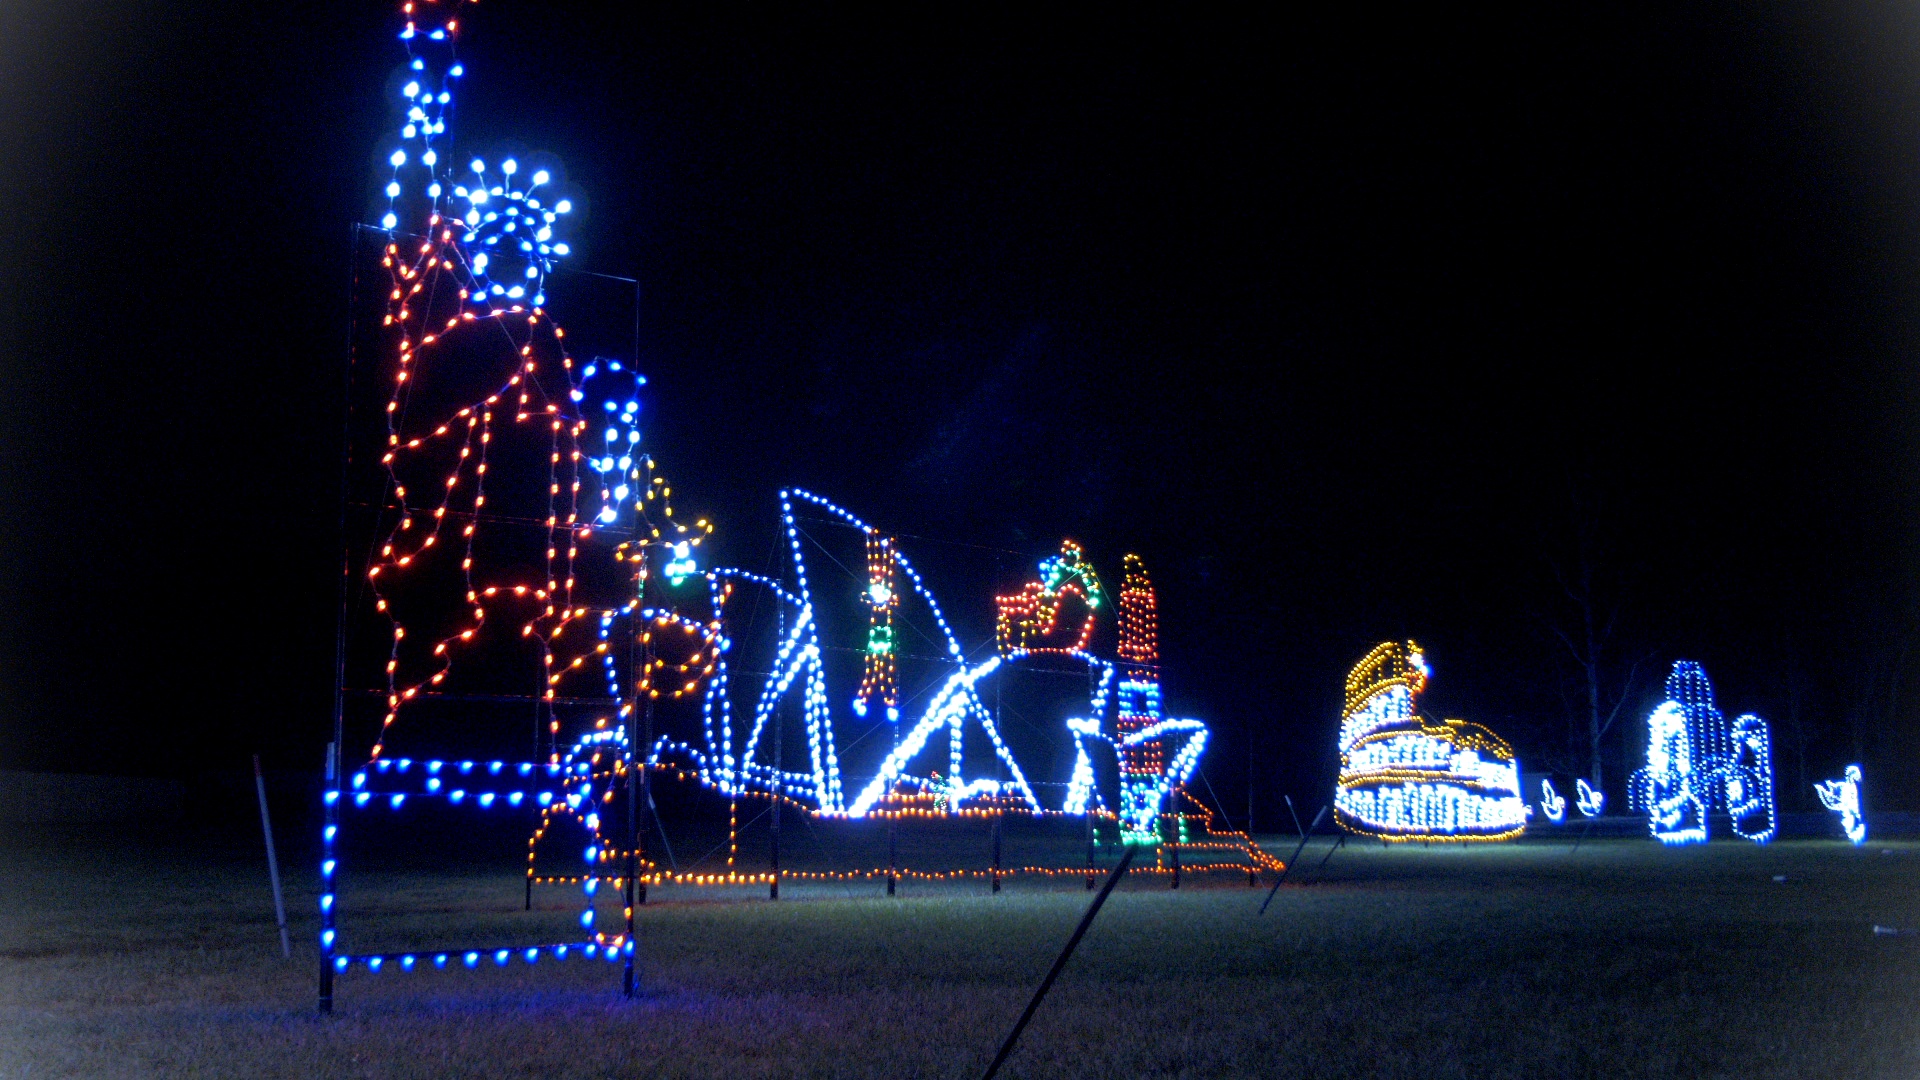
{"x":1359,"y":329}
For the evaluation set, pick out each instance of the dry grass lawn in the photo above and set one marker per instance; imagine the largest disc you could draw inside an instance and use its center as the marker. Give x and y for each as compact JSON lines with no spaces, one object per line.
{"x":1521,"y":961}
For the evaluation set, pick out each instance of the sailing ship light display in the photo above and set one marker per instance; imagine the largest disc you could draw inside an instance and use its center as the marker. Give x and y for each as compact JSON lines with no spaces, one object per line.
{"x":1403,"y":777}
{"x":1699,"y":764}
{"x":488,"y":565}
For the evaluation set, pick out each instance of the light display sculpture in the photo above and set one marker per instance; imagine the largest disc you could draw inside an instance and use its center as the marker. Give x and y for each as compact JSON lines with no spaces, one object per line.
{"x":1552,"y":803}
{"x":1699,"y":764}
{"x":1143,"y":759}
{"x":881,"y":677}
{"x":490,"y":575}
{"x":1154,"y":754}
{"x":1029,"y":619}
{"x":1590,"y":801}
{"x":495,"y":579}
{"x":1403,"y":777}
{"x":1842,"y":796}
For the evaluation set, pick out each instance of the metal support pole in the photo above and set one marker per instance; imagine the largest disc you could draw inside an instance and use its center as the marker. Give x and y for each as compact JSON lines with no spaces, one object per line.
{"x":1099,"y":899}
{"x":273,"y":860}
{"x":629,"y":979}
{"x":1337,"y":845}
{"x":996,"y":851}
{"x":646,"y":802}
{"x":1582,"y":838}
{"x":999,"y":767}
{"x":893,"y":853}
{"x":1091,"y":846}
{"x":773,"y":889}
{"x":330,"y":789}
{"x":329,"y":884}
{"x":1287,"y":867}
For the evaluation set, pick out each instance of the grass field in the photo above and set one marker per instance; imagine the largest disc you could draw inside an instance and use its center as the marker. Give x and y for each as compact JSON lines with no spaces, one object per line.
{"x":1515,"y":961}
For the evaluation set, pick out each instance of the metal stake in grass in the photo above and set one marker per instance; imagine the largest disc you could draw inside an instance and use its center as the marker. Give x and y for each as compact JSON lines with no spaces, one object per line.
{"x":1046,"y":984}
{"x":629,"y":979}
{"x":1295,"y":857}
{"x":1337,"y":845}
{"x":273,"y":862}
{"x":1582,"y":838}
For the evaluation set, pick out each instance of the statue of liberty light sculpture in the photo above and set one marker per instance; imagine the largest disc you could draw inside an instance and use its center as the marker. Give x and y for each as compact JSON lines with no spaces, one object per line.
{"x":498,"y":578}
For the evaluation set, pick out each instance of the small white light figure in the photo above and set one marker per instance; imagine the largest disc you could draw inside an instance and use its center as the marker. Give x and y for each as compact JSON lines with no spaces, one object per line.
{"x":1589,"y":801}
{"x":1551,"y":801}
{"x":1842,"y":796}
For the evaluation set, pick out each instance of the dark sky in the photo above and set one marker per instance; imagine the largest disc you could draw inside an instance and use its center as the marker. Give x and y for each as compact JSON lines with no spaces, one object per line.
{"x":1354,"y":327}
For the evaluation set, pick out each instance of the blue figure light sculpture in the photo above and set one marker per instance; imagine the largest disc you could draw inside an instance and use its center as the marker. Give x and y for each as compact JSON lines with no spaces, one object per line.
{"x":1842,"y":796}
{"x":1699,"y":764}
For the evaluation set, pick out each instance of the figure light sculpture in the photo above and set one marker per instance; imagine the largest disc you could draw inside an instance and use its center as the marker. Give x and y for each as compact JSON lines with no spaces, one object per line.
{"x":1404,"y":777}
{"x":1699,"y":764}
{"x":1842,"y":796}
{"x":488,"y":569}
